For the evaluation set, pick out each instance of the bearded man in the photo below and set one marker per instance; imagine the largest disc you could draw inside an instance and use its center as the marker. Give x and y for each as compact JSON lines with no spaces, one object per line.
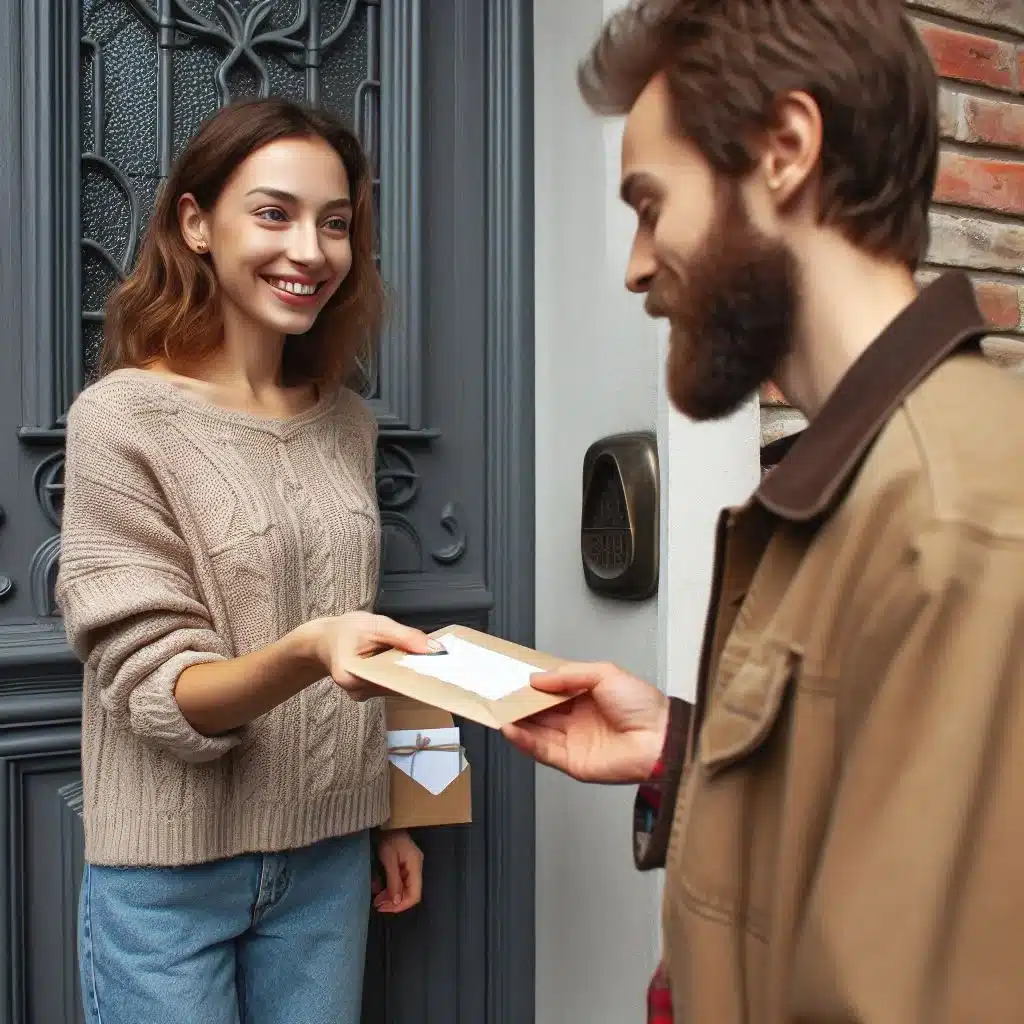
{"x":841,"y":814}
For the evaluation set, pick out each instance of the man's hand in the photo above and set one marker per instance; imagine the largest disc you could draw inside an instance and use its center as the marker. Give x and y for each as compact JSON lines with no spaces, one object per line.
{"x":612,"y":732}
{"x":402,"y":861}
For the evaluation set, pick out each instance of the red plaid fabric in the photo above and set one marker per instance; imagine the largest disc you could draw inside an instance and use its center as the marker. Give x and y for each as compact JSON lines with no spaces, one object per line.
{"x":652,"y":820}
{"x":659,"y":999}
{"x":650,"y":792}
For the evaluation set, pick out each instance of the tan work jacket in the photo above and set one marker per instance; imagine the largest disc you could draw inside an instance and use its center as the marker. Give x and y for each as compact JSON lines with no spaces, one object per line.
{"x":847,"y":844}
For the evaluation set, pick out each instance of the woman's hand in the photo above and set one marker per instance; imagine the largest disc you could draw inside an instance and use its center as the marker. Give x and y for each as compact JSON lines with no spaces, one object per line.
{"x":402,"y":861}
{"x":333,"y":642}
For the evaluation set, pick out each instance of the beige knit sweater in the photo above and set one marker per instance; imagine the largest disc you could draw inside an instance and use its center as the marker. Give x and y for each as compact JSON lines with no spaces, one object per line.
{"x":191,"y":534}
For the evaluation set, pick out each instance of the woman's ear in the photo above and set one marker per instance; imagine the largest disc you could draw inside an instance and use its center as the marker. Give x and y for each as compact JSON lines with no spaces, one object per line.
{"x":192,"y":222}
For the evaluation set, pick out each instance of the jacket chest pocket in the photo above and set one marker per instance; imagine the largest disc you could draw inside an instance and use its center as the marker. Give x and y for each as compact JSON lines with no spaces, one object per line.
{"x":726,"y":840}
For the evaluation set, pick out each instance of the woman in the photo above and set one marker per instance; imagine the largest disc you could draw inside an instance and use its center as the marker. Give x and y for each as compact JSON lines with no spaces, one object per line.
{"x":220,"y":552}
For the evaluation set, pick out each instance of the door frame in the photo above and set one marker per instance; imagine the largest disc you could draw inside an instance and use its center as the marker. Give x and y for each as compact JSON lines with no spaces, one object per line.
{"x":510,"y":818}
{"x":39,"y":677}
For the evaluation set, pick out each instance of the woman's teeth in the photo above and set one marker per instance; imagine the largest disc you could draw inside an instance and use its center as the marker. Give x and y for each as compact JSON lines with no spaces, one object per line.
{"x":295,"y":287}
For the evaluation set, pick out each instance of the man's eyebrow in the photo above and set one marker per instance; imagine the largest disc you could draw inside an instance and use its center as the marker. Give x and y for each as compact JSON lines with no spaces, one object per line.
{"x":633,"y":184}
{"x":341,"y":203}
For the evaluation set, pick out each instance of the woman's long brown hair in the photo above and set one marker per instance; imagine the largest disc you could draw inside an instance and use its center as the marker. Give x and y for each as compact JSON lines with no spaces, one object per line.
{"x":169,"y":308}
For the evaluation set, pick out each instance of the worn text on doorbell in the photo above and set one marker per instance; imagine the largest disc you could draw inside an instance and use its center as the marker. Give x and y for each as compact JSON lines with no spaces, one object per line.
{"x":619,"y":528}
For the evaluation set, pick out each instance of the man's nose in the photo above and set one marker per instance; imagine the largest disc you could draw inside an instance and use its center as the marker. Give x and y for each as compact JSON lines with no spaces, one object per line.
{"x":640,"y":271}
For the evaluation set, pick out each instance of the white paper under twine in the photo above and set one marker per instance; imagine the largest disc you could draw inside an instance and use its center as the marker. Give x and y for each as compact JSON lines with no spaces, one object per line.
{"x":436,"y":772}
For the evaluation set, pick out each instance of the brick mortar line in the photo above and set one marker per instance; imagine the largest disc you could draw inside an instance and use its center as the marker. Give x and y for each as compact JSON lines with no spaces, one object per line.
{"x":980,"y":91}
{"x":1003,"y":277}
{"x":1007,"y":152}
{"x":985,"y":151}
{"x":994,"y":32}
{"x":975,"y":213}
{"x":924,"y":7}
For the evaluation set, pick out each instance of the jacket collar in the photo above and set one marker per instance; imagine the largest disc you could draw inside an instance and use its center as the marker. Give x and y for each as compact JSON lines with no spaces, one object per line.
{"x":818,"y":464}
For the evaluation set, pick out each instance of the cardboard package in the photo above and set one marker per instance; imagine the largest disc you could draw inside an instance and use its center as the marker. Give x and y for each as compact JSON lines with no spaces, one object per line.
{"x":413,"y":805}
{"x":430,"y":778}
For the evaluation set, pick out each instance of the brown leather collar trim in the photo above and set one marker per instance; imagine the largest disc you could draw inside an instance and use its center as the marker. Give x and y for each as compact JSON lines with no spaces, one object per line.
{"x":811,"y":478}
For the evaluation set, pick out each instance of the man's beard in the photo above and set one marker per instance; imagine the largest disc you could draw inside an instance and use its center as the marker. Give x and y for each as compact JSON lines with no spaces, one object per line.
{"x":732,"y":311}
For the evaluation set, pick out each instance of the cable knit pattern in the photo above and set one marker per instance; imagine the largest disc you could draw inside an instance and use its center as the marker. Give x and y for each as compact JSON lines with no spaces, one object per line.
{"x":191,"y":534}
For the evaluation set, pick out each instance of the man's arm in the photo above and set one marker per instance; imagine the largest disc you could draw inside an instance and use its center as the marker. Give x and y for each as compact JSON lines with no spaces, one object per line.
{"x":916,"y":913}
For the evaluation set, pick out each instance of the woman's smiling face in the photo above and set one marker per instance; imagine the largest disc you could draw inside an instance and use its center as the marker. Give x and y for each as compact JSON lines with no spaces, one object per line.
{"x":278,"y":235}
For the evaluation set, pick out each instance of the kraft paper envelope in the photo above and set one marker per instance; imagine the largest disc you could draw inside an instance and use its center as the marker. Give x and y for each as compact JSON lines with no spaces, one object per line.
{"x":413,"y":805}
{"x":391,"y":671}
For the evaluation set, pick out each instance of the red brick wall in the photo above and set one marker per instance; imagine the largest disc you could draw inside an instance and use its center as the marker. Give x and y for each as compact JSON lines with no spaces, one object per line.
{"x":978,"y":218}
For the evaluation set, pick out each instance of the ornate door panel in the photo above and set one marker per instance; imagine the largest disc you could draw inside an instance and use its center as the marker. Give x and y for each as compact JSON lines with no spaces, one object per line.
{"x":97,"y":97}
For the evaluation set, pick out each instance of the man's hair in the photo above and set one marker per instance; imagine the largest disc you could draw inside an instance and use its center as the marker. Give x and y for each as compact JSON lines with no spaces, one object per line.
{"x":727,"y":63}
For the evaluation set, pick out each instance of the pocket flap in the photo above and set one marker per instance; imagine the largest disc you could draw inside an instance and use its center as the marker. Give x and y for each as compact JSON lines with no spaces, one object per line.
{"x":744,"y":712}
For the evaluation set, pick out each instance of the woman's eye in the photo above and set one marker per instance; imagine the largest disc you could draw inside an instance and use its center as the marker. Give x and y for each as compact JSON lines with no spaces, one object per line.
{"x":272,"y":213}
{"x":339,"y":224}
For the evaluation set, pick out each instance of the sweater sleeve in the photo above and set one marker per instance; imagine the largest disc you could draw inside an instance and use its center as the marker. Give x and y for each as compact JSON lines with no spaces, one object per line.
{"x":132,"y":611}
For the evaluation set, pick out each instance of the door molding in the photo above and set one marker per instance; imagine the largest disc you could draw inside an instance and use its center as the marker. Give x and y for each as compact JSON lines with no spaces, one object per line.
{"x":28,"y":755}
{"x":510,"y":498}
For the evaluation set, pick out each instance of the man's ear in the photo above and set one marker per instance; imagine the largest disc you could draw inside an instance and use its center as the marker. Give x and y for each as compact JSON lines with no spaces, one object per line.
{"x":192,"y":222}
{"x":792,"y":147}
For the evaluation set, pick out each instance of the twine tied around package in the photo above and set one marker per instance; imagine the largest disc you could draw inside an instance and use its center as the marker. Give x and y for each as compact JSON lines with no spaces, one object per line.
{"x":422,"y":743}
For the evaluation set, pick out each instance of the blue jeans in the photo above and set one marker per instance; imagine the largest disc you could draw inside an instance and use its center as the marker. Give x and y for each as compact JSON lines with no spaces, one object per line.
{"x":256,"y":939}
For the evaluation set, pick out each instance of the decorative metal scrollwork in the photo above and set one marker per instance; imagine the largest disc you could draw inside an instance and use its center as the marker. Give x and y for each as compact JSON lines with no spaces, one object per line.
{"x":401,"y":546}
{"x":48,"y":483}
{"x":398,"y":487}
{"x":6,"y":583}
{"x":245,"y":35}
{"x":48,"y":480}
{"x":398,"y":481}
{"x":42,"y":575}
{"x":451,"y":522}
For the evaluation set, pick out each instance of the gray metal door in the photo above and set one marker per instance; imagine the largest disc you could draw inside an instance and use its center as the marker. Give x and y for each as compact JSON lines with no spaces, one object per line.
{"x":96,"y":98}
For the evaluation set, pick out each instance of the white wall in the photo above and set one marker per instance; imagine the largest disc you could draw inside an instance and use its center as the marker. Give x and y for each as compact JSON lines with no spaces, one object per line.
{"x":704,"y":468}
{"x":599,"y":371}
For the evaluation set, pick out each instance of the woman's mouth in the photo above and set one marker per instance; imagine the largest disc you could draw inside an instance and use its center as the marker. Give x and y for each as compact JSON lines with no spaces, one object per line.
{"x":293,"y":292}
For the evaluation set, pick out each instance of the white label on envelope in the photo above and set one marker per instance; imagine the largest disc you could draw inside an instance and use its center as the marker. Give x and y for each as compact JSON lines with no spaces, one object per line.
{"x":474,"y":668}
{"x":415,"y":752}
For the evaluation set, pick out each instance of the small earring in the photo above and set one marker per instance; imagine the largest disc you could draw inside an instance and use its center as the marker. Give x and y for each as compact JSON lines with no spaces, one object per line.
{"x":200,"y":246}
